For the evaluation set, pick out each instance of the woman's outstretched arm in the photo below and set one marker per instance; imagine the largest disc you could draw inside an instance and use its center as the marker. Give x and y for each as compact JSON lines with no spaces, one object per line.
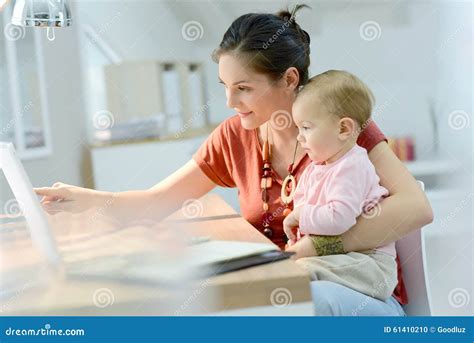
{"x":154,"y":204}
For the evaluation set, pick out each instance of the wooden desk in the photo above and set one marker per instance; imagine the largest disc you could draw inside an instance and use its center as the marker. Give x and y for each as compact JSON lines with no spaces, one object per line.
{"x":277,"y":288}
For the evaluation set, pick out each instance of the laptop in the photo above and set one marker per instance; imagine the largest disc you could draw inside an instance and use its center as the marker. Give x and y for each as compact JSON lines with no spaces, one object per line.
{"x":215,"y":257}
{"x":130,"y":267}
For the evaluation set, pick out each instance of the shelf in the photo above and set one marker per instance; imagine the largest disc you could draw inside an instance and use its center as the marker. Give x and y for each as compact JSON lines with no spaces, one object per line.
{"x":186,"y":134}
{"x":431,"y":167}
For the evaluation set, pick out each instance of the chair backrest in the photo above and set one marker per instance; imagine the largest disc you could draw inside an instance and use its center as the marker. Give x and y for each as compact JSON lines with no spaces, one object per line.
{"x":411,"y":251}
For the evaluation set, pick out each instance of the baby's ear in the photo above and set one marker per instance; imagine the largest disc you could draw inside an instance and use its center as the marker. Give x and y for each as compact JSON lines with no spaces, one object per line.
{"x":348,"y":128}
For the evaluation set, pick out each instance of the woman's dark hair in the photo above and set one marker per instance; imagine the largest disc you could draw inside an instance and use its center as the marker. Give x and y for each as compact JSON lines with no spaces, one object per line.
{"x":270,"y":43}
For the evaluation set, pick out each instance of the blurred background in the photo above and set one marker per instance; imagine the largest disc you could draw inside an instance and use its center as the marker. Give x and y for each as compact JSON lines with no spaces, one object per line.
{"x":126,"y":95}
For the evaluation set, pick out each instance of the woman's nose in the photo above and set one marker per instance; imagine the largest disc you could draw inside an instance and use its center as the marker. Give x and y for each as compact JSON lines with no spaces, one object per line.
{"x":232,"y":101}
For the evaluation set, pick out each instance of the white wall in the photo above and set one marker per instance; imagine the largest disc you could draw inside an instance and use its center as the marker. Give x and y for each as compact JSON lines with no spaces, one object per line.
{"x":135,"y":29}
{"x":449,"y":239}
{"x":453,"y":86}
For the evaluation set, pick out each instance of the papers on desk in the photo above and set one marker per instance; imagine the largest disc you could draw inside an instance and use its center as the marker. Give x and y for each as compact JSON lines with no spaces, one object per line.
{"x":218,"y":257}
{"x":210,"y":252}
{"x":203,"y":259}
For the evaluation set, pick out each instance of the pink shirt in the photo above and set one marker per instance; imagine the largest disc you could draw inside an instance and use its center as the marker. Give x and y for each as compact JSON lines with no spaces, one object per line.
{"x":334,"y":195}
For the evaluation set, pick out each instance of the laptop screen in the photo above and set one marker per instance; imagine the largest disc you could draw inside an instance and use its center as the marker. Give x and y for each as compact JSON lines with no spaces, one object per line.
{"x":22,"y":189}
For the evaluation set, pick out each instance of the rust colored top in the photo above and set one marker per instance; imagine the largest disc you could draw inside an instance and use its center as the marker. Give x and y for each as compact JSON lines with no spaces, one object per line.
{"x":232,"y":157}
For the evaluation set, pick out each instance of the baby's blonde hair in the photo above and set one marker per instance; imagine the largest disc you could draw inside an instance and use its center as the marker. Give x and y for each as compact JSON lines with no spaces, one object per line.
{"x":342,"y":94}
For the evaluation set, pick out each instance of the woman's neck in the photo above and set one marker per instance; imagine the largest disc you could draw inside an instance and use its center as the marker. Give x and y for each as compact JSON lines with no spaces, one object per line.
{"x":278,"y":137}
{"x":283,"y":148}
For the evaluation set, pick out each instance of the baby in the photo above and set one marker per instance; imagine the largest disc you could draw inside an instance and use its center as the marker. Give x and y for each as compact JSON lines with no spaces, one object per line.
{"x":340,"y":184}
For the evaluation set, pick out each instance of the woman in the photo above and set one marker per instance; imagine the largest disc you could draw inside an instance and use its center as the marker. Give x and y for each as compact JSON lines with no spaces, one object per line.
{"x":263,"y":60}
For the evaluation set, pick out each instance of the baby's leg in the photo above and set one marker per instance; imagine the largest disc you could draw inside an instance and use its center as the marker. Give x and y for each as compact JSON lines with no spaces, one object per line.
{"x":368,"y":272}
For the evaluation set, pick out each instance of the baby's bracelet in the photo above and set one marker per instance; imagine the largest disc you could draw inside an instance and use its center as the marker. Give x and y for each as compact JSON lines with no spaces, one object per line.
{"x":327,"y":245}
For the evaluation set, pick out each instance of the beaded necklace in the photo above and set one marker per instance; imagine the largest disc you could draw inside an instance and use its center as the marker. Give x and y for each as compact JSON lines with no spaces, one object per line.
{"x":288,"y":187}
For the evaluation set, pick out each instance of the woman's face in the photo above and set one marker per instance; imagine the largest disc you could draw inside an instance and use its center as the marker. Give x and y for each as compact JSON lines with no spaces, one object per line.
{"x":254,"y":96}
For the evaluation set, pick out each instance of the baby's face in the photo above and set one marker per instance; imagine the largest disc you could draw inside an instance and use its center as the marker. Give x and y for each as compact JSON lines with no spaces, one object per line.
{"x":318,"y":129}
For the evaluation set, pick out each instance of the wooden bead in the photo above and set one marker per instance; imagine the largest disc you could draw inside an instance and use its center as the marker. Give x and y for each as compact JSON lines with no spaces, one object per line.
{"x":265,"y":206}
{"x":269,"y":182}
{"x":265,"y":195}
{"x":266,"y":151}
{"x":288,"y":189}
{"x":268,"y":232}
{"x":266,"y":182}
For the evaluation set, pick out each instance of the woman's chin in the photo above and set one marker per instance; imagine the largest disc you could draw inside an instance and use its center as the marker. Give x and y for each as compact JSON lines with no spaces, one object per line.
{"x":249,"y":123}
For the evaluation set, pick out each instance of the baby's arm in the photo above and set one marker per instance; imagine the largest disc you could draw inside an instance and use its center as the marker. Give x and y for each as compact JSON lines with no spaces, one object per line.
{"x":345,"y":195}
{"x":291,"y":222}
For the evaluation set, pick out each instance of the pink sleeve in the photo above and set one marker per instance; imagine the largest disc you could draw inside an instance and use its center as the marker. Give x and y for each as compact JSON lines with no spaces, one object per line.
{"x":345,"y":195}
{"x":298,"y":198}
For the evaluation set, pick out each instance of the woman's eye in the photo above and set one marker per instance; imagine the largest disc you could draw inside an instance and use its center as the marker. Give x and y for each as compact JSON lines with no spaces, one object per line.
{"x":242,"y":88}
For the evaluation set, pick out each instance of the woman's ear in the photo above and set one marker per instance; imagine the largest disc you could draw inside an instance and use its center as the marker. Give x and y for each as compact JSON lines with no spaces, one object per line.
{"x":291,"y":78}
{"x":347,"y":128}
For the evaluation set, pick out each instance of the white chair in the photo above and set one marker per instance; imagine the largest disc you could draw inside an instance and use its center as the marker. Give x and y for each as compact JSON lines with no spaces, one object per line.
{"x":411,"y":251}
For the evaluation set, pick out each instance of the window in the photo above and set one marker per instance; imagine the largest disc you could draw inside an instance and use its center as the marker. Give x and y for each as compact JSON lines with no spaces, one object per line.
{"x":24,"y":113}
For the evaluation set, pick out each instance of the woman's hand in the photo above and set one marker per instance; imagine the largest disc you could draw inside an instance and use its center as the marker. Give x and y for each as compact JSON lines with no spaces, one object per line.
{"x":302,"y":248}
{"x":67,"y":198}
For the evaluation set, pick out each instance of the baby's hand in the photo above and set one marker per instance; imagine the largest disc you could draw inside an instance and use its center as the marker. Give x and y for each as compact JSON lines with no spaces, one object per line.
{"x":290,"y":226}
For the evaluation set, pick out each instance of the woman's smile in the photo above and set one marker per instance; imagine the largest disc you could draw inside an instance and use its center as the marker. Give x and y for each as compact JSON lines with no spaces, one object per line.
{"x":244,"y":115}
